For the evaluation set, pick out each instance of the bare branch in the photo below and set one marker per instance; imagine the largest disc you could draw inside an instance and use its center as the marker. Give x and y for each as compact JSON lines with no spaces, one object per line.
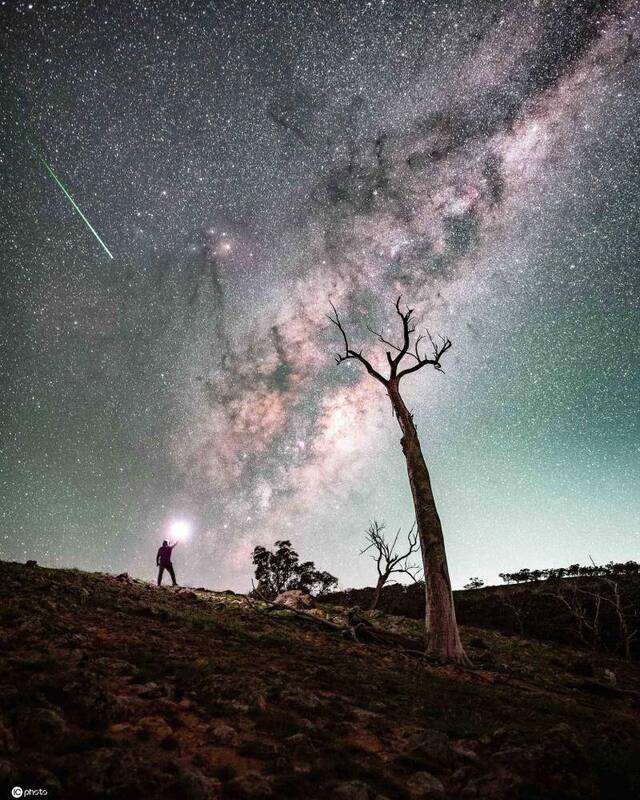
{"x":349,"y":353}
{"x":388,"y":560}
{"x":438,"y":351}
{"x":381,"y":338}
{"x":397,"y":352}
{"x":407,"y":330}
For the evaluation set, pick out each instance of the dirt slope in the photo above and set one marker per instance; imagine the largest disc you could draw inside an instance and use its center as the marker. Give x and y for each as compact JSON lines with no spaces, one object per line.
{"x":115,"y":688}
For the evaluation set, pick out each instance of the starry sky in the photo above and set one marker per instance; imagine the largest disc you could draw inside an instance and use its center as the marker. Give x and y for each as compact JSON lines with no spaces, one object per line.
{"x":248,"y":162}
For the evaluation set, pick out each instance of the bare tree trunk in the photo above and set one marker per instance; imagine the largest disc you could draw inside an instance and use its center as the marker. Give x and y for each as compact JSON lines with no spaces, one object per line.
{"x":376,"y":596}
{"x":443,"y":638}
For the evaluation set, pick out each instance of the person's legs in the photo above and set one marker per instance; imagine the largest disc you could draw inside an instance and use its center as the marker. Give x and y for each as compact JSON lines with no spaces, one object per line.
{"x":160,"y":571}
{"x":172,"y":573}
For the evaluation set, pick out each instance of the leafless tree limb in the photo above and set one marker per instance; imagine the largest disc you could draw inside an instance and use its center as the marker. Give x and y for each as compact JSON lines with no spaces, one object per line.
{"x":349,"y":353}
{"x":400,"y":351}
{"x":388,"y":561}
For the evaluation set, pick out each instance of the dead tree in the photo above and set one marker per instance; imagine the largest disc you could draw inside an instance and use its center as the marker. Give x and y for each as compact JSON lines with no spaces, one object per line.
{"x":442,"y":635}
{"x":590,"y":604}
{"x":388,"y":561}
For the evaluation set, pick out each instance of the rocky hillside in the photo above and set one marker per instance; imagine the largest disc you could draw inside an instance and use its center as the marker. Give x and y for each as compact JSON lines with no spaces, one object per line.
{"x":111,"y":687}
{"x":563,"y":611}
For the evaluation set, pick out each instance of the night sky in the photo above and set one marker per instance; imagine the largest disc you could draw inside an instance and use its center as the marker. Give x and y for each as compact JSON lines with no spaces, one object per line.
{"x":248,"y":162}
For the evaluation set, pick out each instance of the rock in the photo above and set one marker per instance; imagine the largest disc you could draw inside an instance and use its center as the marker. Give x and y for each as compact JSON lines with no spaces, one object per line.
{"x":192,"y":784}
{"x":7,"y":773}
{"x":554,"y":765}
{"x":124,"y":577}
{"x":224,"y":734}
{"x":507,"y":735}
{"x":187,"y":594}
{"x":427,"y":786}
{"x":352,"y":790}
{"x":433,"y":749}
{"x":7,"y":742}
{"x":300,"y":745}
{"x":354,"y":617}
{"x":44,"y":779}
{"x":609,"y":676}
{"x":301,"y":698}
{"x":82,"y":693}
{"x":151,"y":691}
{"x":119,"y":729}
{"x":250,"y":786}
{"x":113,"y":666}
{"x":465,"y":753}
{"x":104,"y":772}
{"x":31,"y":563}
{"x":493,"y":786}
{"x":41,"y":726}
{"x":154,"y":728}
{"x":295,"y":598}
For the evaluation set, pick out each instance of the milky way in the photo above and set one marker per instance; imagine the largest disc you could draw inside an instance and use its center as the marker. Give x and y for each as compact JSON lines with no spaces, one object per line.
{"x":250,"y":162}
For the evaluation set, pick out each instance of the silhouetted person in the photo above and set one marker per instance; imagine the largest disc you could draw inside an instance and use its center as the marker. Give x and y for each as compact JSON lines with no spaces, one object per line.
{"x":163,"y":560}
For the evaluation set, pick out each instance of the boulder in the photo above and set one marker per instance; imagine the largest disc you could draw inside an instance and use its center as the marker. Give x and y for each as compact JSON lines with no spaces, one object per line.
{"x":8,"y":772}
{"x":295,"y":598}
{"x":193,"y":784}
{"x":104,"y":772}
{"x":7,"y":743}
{"x":301,"y":699}
{"x":154,"y":728}
{"x":500,"y":785}
{"x":250,"y":786}
{"x":41,"y":726}
{"x":352,"y":790}
{"x":426,"y":786}
{"x":44,"y":779}
{"x":300,"y":745}
{"x":186,"y":594}
{"x":151,"y":691}
{"x":224,"y":734}
{"x":433,"y":749}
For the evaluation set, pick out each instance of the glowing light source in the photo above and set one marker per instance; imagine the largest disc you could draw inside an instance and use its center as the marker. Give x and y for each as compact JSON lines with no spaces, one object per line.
{"x":180,"y":530}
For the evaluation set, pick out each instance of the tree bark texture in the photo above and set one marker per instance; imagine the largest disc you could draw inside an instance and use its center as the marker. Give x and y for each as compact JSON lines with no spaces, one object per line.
{"x":442,"y":635}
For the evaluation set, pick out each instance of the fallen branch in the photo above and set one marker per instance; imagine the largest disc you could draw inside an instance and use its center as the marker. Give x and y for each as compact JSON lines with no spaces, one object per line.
{"x":357,"y":628}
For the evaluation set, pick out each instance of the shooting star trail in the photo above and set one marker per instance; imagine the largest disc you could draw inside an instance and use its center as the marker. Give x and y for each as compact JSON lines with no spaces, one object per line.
{"x":73,"y":203}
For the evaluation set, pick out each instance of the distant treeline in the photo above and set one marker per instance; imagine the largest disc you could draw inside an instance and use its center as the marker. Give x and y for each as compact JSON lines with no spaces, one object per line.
{"x":572,"y":571}
{"x":596,"y":607}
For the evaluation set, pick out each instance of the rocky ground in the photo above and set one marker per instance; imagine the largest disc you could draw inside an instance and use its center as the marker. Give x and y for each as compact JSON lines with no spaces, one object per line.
{"x":111,"y":687}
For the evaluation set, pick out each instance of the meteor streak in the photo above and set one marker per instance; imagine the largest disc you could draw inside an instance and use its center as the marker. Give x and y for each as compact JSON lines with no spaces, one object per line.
{"x":73,"y":203}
